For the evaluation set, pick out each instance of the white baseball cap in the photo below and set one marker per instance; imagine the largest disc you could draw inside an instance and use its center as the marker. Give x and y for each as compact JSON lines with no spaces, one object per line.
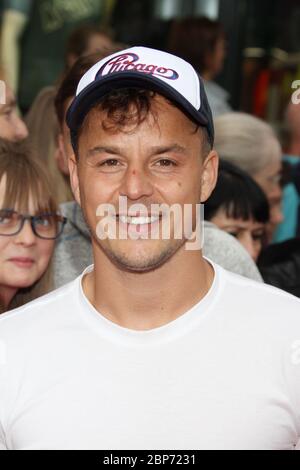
{"x":143,"y":67}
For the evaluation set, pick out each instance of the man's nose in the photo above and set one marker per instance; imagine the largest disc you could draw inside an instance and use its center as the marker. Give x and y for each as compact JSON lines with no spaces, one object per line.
{"x":136,"y":183}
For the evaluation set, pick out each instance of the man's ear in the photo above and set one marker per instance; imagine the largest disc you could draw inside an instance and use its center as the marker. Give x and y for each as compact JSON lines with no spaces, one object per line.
{"x":209,"y":175}
{"x":74,"y":180}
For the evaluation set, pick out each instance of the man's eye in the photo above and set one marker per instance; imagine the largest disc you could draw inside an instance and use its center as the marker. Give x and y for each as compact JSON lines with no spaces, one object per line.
{"x":110,"y":162}
{"x":166,"y":162}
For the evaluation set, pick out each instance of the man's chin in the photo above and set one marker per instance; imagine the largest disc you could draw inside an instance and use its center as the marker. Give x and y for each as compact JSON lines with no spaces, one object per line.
{"x":137,"y":265}
{"x":139,"y":261}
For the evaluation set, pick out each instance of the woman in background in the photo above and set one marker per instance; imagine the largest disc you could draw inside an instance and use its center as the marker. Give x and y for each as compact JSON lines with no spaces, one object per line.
{"x":239,"y":207}
{"x":251,"y":144}
{"x":29,"y":225}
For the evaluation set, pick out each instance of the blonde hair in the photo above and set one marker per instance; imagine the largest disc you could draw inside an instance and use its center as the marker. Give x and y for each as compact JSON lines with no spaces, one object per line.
{"x":246,"y":141}
{"x":25,"y":178}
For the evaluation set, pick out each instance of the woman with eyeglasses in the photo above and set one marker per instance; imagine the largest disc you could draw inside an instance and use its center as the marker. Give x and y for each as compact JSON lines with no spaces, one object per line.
{"x":29,"y":226}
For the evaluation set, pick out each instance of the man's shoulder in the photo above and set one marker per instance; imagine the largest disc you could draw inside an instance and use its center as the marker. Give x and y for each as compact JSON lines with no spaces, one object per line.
{"x":261,"y":299}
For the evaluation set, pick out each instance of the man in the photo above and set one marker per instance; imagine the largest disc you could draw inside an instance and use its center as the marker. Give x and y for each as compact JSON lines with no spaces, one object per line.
{"x":155,"y":347}
{"x":74,"y":251}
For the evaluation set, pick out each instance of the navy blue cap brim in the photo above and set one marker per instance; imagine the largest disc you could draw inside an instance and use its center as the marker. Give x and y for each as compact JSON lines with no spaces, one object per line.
{"x":87,"y":98}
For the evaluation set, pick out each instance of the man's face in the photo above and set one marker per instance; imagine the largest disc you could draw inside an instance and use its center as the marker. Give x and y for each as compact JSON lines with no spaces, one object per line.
{"x":158,"y":162}
{"x":12,"y":128}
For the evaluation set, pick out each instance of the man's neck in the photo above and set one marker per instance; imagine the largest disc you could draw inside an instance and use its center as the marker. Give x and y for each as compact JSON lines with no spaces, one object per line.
{"x":143,"y":301}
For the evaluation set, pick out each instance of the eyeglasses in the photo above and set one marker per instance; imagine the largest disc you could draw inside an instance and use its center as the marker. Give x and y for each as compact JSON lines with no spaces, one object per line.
{"x":47,"y":226}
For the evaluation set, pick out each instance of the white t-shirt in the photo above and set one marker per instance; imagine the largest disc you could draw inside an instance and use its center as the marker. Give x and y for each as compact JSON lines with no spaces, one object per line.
{"x":224,"y":375}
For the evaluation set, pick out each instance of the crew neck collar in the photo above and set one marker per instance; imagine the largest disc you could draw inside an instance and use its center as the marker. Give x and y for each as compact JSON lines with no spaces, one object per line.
{"x":171,"y":330}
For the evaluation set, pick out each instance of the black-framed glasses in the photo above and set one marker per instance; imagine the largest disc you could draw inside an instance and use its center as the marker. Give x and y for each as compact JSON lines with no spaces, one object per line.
{"x":46,"y":225}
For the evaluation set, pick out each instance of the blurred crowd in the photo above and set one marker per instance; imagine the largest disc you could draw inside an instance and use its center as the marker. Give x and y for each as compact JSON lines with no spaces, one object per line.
{"x":252,"y":218}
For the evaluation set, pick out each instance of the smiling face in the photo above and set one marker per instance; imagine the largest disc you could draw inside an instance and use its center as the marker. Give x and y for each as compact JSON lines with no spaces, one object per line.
{"x":23,"y":257}
{"x":12,"y":128}
{"x":158,"y":161}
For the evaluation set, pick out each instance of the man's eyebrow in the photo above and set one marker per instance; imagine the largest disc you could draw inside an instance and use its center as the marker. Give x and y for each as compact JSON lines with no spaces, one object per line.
{"x":103,"y":149}
{"x":160,"y":149}
{"x":155,"y":150}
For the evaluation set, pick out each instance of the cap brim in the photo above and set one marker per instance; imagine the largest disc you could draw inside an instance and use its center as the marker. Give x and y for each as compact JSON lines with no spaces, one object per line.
{"x":99,"y":88}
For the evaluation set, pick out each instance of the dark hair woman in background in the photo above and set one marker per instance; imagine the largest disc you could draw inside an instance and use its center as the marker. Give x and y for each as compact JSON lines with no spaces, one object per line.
{"x":239,"y":206}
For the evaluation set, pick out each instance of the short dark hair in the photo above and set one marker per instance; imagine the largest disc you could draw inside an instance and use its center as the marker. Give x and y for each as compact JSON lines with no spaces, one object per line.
{"x":128,"y":107}
{"x":238,"y":195}
{"x":194,"y":39}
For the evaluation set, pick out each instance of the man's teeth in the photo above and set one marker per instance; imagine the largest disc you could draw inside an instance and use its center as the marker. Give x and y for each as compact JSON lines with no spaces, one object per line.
{"x":138,"y":220}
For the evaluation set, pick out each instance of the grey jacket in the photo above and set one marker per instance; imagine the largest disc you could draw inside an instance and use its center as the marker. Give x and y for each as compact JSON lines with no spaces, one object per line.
{"x":73,"y":251}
